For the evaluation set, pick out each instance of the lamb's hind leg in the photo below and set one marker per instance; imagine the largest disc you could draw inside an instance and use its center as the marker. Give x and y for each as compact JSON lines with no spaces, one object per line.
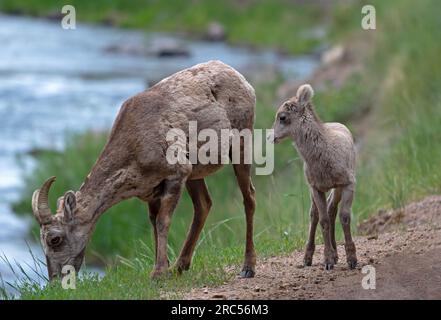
{"x":320,"y":201}
{"x":345,"y":219}
{"x":202,"y":204}
{"x":310,"y":245}
{"x":333,"y":201}
{"x":243,"y":176}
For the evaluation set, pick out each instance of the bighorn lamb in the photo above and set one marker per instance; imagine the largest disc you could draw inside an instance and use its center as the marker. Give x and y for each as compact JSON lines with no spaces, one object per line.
{"x":133,"y":164}
{"x":329,"y":163}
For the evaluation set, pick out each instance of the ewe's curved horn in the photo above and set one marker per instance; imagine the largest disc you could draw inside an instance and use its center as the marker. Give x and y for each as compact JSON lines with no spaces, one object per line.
{"x":40,"y":203}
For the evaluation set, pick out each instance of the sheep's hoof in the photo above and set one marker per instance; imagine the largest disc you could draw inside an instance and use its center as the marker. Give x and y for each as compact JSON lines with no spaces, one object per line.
{"x":181,"y":266}
{"x":159,"y":274}
{"x":247,"y":272}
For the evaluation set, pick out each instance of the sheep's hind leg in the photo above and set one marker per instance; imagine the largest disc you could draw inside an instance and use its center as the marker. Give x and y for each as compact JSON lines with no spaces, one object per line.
{"x":243,"y":175}
{"x":345,"y":219}
{"x":202,"y":204}
{"x":333,"y":201}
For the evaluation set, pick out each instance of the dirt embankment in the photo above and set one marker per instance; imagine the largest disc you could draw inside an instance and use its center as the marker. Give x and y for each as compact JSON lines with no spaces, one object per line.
{"x":404,"y":247}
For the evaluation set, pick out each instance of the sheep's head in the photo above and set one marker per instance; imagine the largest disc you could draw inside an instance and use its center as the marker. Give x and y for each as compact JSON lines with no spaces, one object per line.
{"x":293,"y":114}
{"x":63,"y":238}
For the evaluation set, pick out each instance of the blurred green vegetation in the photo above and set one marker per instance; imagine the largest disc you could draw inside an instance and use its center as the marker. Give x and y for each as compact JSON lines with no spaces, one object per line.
{"x":400,"y":156}
{"x":399,"y":162}
{"x":281,"y":24}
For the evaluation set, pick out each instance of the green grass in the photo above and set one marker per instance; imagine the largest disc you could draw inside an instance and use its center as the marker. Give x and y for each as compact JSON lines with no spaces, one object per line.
{"x":130,"y":279}
{"x":256,"y":23}
{"x":399,"y":163}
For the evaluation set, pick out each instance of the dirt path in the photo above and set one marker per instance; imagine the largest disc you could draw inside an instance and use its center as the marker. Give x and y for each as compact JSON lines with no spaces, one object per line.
{"x":404,"y":248}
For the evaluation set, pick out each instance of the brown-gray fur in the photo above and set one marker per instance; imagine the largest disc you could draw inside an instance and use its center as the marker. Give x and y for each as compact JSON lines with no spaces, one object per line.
{"x":133,"y":164}
{"x":328,"y":152}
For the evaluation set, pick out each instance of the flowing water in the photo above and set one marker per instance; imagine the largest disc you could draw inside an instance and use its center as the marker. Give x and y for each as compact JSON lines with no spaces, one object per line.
{"x":54,"y":81}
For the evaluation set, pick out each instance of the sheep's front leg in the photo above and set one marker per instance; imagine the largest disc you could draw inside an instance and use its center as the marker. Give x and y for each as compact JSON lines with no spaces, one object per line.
{"x":154,"y":206}
{"x":169,"y":200}
{"x":320,"y":201}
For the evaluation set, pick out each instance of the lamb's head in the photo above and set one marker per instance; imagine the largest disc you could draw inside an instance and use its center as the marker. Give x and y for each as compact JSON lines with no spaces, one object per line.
{"x":293,"y":114}
{"x":62,"y":236}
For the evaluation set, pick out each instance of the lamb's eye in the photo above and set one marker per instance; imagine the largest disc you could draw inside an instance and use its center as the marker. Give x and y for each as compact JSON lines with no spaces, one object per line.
{"x":55,"y":241}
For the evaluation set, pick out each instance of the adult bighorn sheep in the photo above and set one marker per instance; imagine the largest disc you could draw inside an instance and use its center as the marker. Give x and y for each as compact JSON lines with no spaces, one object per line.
{"x":329,"y":163}
{"x":133,"y":164}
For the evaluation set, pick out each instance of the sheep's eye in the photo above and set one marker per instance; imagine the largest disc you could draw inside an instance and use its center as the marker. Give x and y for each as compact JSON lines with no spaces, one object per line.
{"x":55,"y":241}
{"x":282,"y":117}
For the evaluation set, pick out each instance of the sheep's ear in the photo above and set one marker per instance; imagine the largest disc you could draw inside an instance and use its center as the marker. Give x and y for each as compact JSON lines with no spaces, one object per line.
{"x":305,"y":94}
{"x":60,"y":202}
{"x":70,"y":203}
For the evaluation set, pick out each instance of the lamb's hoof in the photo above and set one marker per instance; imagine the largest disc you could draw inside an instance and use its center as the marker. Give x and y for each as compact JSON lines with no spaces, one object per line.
{"x":352,"y":264}
{"x":307,"y":258}
{"x":329,"y":266}
{"x":247,"y":272}
{"x":307,"y":262}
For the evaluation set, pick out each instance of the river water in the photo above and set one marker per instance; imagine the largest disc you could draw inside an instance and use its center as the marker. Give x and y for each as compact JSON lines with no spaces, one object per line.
{"x":54,"y":81}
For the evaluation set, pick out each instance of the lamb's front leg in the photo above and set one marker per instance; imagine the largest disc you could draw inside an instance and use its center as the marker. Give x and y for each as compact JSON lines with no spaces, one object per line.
{"x":310,"y":245}
{"x":320,"y":201}
{"x":333,"y":201}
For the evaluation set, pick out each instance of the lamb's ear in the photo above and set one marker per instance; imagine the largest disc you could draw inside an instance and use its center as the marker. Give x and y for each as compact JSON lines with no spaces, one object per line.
{"x":70,"y":203}
{"x":305,"y":94}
